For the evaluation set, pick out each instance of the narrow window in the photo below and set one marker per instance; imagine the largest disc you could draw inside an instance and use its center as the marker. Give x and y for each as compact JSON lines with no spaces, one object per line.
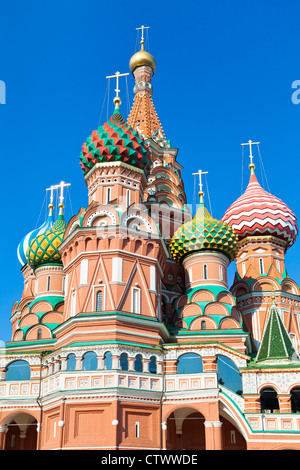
{"x":84,"y":266}
{"x":261,"y":266}
{"x":48,"y":283}
{"x":99,"y":301}
{"x":73,"y":304}
{"x":63,"y":284}
{"x":39,"y":333}
{"x":137,"y":429}
{"x":135,"y":300}
{"x":221,"y":273}
{"x":153,"y":278}
{"x":232,"y":437}
{"x":205,"y":271}
{"x":203,"y":325}
{"x":278,"y":265}
{"x":117,"y":270}
{"x":128,"y":197}
{"x":244,"y":268}
{"x":108,"y":195}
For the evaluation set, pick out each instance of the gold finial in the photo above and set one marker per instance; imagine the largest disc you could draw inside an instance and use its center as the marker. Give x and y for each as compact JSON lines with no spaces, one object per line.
{"x":61,"y":208}
{"x":51,"y":207}
{"x":201,"y":193}
{"x":117,"y":99}
{"x":273,"y":296}
{"x":251,"y":165}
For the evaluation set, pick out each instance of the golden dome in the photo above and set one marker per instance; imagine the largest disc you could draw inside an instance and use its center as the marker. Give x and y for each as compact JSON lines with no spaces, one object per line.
{"x":142,"y":58}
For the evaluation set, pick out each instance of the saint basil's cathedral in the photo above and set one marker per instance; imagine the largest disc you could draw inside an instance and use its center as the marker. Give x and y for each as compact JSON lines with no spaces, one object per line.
{"x":127,"y":335}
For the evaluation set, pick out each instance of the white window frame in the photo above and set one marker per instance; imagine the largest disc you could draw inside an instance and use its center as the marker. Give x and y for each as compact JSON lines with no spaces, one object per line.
{"x":117,"y":269}
{"x":261,"y":266}
{"x":95,"y":289}
{"x":84,"y":271}
{"x":108,"y":194}
{"x":137,"y":291}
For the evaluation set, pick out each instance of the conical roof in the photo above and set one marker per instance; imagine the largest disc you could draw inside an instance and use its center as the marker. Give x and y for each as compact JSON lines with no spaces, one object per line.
{"x":276,"y":344}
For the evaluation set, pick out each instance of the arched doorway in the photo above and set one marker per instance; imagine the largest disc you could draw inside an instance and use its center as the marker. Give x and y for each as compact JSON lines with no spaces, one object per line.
{"x":185,"y":430}
{"x":21,"y":433}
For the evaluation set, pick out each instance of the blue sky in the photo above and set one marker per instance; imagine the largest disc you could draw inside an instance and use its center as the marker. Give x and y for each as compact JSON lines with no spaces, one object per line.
{"x":224,"y":75}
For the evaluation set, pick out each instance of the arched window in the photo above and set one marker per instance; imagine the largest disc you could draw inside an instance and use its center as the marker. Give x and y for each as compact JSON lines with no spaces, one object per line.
{"x":71,"y":362}
{"x":269,"y":400}
{"x":99,"y":301}
{"x":89,"y":361}
{"x":18,"y":370}
{"x":228,"y":374}
{"x":152,"y":365}
{"x":189,"y":363}
{"x":39,"y":333}
{"x":108,"y":360}
{"x":295,"y":400}
{"x":203,"y":325}
{"x":138,"y":363}
{"x":124,"y":361}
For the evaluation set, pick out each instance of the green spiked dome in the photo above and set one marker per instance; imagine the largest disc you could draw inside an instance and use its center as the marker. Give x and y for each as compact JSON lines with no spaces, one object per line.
{"x":115,"y":141}
{"x":204,"y":233}
{"x":44,"y":248}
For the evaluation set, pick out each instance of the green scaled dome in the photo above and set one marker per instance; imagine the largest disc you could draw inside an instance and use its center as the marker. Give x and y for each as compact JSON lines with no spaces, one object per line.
{"x":204,"y":233}
{"x":44,"y":248}
{"x":115,"y":141}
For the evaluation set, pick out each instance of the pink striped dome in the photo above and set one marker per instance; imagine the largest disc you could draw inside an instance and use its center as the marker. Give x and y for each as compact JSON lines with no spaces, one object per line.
{"x":258,"y":212}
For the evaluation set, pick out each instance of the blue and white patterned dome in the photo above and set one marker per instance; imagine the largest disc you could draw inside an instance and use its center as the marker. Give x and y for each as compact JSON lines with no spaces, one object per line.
{"x":24,"y":243}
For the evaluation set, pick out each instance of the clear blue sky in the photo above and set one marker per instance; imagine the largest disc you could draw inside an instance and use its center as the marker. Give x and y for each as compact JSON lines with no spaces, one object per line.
{"x":224,"y":75}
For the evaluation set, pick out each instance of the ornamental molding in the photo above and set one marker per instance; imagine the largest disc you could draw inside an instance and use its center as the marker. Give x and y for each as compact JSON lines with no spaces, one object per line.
{"x":100,"y":213}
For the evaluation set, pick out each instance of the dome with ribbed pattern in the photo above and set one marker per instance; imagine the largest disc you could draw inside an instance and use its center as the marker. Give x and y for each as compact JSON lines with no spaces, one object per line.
{"x":259,"y":213}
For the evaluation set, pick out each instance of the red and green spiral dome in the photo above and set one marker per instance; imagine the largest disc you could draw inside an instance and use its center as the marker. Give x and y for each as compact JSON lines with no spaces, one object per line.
{"x":115,"y":141}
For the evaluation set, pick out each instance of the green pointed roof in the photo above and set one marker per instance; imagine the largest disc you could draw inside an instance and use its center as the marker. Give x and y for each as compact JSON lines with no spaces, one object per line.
{"x":276,"y":344}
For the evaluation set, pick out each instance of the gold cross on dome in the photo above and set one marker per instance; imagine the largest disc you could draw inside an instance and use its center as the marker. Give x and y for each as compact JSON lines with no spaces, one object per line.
{"x":117,"y":75}
{"x":142,"y":28}
{"x":200,"y":173}
{"x":250,"y":143}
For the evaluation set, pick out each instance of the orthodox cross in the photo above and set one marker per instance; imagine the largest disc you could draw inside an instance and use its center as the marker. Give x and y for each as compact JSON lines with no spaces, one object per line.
{"x":117,"y":75}
{"x":250,"y":143}
{"x":51,"y":193}
{"x":142,"y":28}
{"x":61,"y":185}
{"x":200,"y":173}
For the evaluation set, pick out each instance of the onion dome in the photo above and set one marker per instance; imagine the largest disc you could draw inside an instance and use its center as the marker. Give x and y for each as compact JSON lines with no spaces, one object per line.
{"x":258,"y":213}
{"x":204,"y":233}
{"x":115,"y":141}
{"x":142,"y":58}
{"x":25,"y":242}
{"x":44,"y":248}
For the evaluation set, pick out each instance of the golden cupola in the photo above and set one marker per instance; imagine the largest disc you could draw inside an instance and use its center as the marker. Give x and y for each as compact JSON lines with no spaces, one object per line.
{"x":142,"y":58}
